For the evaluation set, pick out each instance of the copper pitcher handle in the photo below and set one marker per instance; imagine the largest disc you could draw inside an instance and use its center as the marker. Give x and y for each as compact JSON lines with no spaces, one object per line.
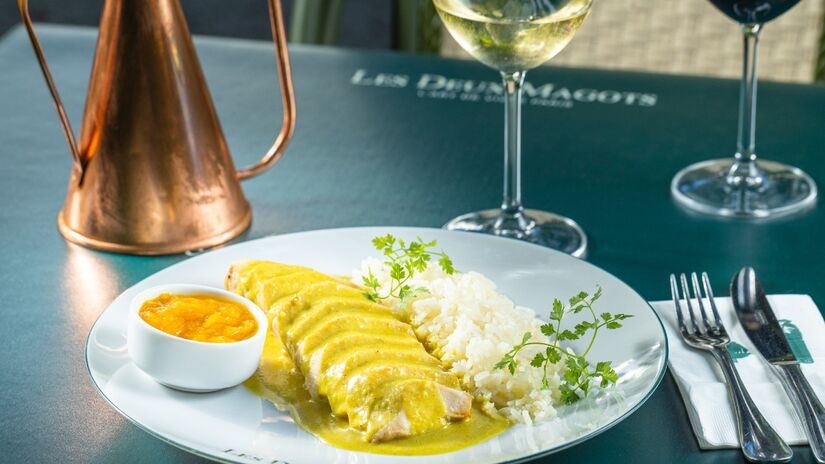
{"x":287,"y":96}
{"x":23,"y":5}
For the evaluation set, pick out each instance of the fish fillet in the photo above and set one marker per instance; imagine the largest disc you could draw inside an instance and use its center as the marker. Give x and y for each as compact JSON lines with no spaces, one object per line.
{"x":353,"y":352}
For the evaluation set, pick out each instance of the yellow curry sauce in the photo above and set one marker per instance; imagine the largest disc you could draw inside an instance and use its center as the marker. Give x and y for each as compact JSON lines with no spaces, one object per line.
{"x":279,"y":381}
{"x":203,"y":318}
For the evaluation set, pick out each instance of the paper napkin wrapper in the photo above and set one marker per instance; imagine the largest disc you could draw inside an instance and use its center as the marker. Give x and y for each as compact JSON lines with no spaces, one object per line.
{"x":702,"y":385}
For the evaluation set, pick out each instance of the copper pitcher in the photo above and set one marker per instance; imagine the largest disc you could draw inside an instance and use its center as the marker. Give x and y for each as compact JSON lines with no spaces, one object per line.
{"x":153,"y":174}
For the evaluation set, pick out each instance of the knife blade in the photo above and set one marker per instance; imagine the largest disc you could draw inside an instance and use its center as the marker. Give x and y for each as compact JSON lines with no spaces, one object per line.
{"x":763,"y":329}
{"x":758,"y":320}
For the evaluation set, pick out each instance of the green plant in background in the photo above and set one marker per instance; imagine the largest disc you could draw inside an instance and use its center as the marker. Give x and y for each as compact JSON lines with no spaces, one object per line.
{"x":418,"y":26}
{"x":819,"y":75}
{"x":315,"y":21}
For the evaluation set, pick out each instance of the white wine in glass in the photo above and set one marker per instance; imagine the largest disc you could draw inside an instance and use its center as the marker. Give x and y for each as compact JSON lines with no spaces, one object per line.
{"x":513,"y":36}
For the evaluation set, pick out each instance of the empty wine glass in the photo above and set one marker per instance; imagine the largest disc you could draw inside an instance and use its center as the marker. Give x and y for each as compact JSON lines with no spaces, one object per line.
{"x":513,"y":36}
{"x":742,"y":186}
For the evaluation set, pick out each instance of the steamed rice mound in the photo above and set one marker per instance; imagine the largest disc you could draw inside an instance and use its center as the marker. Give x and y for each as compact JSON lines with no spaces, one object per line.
{"x":466,"y":323}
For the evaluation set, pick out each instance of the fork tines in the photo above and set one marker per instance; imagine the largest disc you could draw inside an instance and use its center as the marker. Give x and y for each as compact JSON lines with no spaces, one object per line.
{"x":710,"y":327}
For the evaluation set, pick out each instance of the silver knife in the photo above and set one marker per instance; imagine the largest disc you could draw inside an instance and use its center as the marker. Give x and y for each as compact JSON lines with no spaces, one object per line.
{"x":759,"y":322}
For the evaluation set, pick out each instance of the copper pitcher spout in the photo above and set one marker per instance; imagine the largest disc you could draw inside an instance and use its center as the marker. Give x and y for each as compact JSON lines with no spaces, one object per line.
{"x":153,"y":171}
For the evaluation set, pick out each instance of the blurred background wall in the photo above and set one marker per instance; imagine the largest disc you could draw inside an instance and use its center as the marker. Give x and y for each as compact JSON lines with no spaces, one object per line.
{"x":362,"y":23}
{"x":669,"y":36}
{"x":690,"y":37}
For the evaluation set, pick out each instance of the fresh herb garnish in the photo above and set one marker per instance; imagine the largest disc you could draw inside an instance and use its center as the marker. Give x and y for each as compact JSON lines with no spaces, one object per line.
{"x":579,"y":373}
{"x":404,"y":261}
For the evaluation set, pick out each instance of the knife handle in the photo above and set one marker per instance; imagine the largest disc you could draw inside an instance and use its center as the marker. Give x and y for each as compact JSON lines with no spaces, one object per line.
{"x":807,"y":406}
{"x":759,"y":441}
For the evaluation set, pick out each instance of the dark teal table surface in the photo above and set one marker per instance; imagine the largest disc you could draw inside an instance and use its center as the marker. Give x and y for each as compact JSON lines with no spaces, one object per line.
{"x":389,"y":139}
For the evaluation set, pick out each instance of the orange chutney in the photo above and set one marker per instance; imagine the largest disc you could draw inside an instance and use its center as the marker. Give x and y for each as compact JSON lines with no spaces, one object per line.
{"x":203,"y":318}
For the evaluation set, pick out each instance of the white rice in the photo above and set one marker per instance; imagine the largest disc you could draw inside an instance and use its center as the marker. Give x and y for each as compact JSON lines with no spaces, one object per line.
{"x":467,"y":324}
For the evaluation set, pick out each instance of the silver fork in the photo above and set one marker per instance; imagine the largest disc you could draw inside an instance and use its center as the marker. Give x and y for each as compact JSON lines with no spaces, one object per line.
{"x":759,"y":441}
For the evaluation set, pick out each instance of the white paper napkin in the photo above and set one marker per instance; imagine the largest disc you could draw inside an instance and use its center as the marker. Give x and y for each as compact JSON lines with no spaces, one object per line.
{"x":702,"y":386}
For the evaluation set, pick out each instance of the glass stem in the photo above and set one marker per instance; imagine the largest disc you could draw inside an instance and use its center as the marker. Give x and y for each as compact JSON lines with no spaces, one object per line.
{"x":511,"y":203}
{"x":744,"y":171}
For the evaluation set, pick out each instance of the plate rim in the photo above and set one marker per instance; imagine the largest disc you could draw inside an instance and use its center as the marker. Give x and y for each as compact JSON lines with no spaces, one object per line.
{"x":191,"y":449}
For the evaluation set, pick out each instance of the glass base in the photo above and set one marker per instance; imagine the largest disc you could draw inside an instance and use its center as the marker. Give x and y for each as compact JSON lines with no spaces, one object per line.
{"x":539,"y":227}
{"x":748,"y":190}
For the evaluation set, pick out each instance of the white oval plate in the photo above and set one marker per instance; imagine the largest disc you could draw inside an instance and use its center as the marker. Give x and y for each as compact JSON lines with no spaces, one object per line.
{"x":236,"y":426}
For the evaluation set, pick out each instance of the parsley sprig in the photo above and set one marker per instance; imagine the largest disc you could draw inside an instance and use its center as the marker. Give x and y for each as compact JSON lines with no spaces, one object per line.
{"x":579,"y":374}
{"x":404,"y":261}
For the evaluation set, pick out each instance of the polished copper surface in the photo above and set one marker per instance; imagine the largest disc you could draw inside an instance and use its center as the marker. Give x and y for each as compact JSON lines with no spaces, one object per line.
{"x":152,"y":172}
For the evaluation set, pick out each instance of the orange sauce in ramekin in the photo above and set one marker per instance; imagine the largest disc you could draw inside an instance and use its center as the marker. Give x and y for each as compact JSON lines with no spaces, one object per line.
{"x":203,"y":318}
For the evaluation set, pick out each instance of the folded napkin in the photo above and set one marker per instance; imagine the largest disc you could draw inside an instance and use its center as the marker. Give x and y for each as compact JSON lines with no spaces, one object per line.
{"x":702,"y":385}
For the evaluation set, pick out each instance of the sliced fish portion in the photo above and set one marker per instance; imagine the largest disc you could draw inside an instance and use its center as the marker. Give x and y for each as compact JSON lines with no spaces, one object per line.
{"x":353,"y":352}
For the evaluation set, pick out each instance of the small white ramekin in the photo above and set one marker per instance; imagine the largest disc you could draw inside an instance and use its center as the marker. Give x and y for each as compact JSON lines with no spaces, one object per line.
{"x":187,"y":364}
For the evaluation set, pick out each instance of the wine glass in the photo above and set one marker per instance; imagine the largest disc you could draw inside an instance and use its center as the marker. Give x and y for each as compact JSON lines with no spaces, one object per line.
{"x":743,"y":186}
{"x":513,"y":36}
